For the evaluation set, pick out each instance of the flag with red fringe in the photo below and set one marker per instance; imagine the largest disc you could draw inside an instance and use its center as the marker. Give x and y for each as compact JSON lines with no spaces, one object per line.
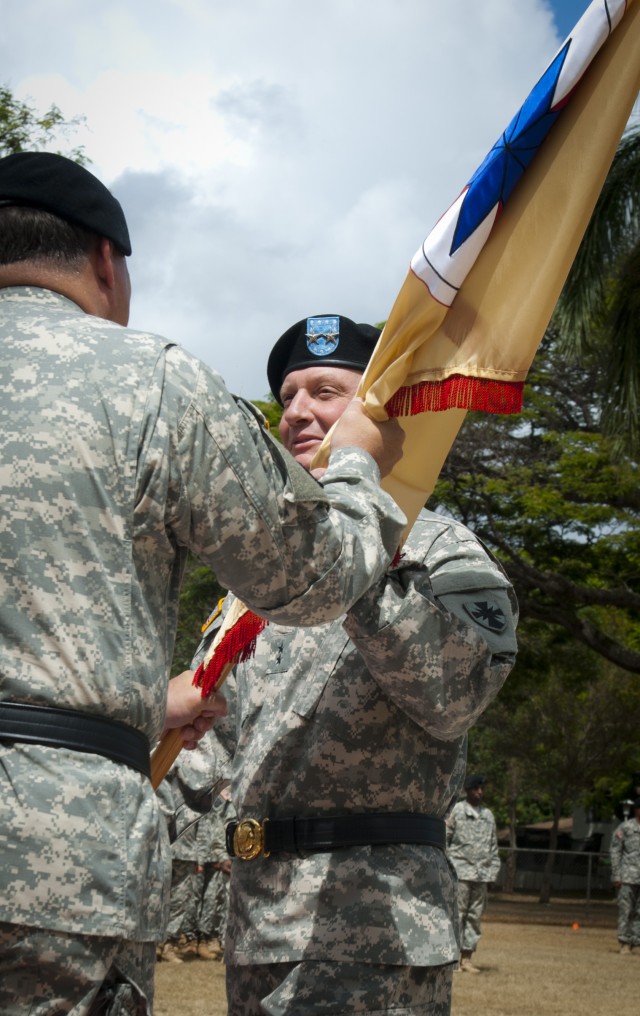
{"x":234,"y":643}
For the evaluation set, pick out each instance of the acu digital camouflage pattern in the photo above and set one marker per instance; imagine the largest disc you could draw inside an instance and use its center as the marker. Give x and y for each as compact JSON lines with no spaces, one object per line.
{"x":625,"y":868}
{"x":625,"y":852}
{"x":472,"y":901}
{"x":472,"y":842}
{"x":472,"y":848}
{"x":629,"y":914}
{"x":182,"y":919}
{"x":183,"y":907}
{"x":317,"y":988}
{"x":119,"y":452}
{"x":199,"y":896}
{"x":213,"y":880}
{"x":367,"y":714}
{"x":41,"y":970}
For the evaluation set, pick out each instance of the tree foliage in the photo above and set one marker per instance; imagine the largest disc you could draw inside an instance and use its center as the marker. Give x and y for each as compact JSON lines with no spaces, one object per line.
{"x":563,"y":731}
{"x":24,"y":129}
{"x":599,"y":308}
{"x":546,"y":491}
{"x":272,"y":411}
{"x":568,"y":717}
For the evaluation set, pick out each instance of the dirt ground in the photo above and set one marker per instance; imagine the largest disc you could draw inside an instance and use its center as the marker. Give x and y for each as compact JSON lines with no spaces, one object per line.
{"x":534,"y":963}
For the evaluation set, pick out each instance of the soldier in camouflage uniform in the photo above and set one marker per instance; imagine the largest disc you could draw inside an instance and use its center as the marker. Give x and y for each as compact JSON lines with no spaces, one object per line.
{"x":213,"y":871}
{"x":120,"y":453}
{"x":472,"y":846}
{"x":625,"y":875}
{"x":182,"y":926}
{"x":194,"y":811}
{"x":351,"y":744}
{"x":182,"y":923}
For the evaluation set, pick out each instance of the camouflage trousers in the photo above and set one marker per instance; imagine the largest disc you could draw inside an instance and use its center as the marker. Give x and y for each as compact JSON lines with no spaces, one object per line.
{"x":199,"y":902}
{"x":184,"y":903}
{"x":472,"y":899}
{"x":50,"y":973}
{"x":629,"y":913}
{"x":337,"y":989}
{"x":214,"y":903}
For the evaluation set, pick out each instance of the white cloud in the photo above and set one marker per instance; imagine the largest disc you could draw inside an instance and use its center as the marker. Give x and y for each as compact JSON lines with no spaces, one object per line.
{"x":277,"y":157}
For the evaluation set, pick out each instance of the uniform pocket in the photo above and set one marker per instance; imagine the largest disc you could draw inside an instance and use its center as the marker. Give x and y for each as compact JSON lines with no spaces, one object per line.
{"x":320,"y":666}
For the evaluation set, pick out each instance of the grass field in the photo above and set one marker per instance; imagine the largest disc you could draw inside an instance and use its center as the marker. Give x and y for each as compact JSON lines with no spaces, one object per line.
{"x":534,"y":963}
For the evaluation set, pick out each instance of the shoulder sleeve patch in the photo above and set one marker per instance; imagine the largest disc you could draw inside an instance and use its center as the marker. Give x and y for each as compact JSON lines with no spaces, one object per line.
{"x":487,"y":614}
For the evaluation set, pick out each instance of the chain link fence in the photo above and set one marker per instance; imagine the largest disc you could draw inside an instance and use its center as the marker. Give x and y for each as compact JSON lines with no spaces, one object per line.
{"x":574,"y":873}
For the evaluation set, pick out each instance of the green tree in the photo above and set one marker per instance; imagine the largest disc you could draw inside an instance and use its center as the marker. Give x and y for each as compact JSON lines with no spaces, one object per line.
{"x":23,"y":128}
{"x":599,"y":308}
{"x":272,"y":411}
{"x":545,"y":490}
{"x":564,"y":725}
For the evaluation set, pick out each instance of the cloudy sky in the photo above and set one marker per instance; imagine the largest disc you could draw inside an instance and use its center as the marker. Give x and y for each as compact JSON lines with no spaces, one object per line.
{"x":277,"y":158}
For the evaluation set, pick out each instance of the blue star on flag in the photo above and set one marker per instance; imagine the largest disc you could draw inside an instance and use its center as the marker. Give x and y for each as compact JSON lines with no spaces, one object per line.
{"x":495,"y":178}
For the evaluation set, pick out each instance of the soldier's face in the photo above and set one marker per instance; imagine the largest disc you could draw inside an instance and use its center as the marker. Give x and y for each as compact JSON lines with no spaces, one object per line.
{"x":475,"y":795}
{"x":313,"y":399}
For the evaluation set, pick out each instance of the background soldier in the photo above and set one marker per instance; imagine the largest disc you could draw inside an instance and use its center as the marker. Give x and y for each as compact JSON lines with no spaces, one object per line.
{"x":472,"y":846}
{"x":212,"y":878}
{"x":195,"y":816}
{"x":625,"y":875}
{"x":181,"y":935}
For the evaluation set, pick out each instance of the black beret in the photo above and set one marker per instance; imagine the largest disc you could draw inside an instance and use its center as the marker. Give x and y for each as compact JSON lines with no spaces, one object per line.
{"x":324,"y":338}
{"x":472,"y":782}
{"x":61,"y":186}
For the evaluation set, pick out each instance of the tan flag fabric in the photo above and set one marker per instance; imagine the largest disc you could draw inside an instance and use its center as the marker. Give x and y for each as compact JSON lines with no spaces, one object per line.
{"x":478,"y":296}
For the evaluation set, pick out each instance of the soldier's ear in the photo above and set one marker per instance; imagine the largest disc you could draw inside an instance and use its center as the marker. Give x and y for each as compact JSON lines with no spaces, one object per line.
{"x":101,"y":257}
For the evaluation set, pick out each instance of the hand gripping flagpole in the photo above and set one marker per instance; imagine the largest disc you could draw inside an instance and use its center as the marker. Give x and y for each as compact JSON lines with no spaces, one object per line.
{"x":234,"y":642}
{"x":481,"y":290}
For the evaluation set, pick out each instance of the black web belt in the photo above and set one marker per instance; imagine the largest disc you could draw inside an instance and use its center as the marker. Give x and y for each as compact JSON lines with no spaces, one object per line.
{"x":80,"y":731}
{"x":249,"y":838}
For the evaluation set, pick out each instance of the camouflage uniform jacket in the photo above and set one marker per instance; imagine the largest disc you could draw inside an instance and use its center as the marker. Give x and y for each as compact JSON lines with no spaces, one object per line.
{"x":367,"y":715}
{"x":625,"y":852}
{"x":472,"y":843}
{"x":119,"y":452}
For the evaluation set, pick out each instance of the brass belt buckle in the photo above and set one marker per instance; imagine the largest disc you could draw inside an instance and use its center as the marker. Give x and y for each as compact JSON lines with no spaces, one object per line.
{"x":248,"y":839}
